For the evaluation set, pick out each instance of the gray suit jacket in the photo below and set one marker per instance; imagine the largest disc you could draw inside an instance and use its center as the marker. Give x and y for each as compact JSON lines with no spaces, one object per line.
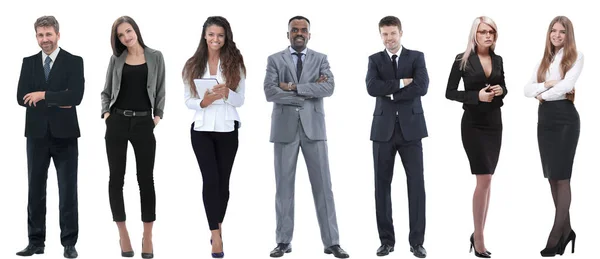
{"x":156,"y":81}
{"x":306,"y":102}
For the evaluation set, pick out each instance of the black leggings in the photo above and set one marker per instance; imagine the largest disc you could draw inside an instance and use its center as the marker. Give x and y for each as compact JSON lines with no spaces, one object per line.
{"x":215,"y":152}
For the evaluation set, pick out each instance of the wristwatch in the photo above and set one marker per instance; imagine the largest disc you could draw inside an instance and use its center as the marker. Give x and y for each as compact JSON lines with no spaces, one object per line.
{"x":290,"y":86}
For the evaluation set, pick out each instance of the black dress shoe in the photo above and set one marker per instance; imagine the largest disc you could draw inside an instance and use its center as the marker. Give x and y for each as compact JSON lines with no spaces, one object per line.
{"x":282,"y":248}
{"x":418,"y":251}
{"x":31,"y":250}
{"x":70,"y":252}
{"x":337,"y":251}
{"x":385,"y":250}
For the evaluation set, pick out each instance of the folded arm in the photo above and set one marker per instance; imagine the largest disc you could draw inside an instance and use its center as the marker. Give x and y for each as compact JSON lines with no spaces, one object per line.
{"x":275,"y":94}
{"x":318,"y":89}
{"x":73,"y":93}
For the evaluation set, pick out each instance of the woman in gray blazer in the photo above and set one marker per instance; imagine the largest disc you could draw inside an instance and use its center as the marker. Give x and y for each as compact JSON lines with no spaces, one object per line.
{"x":133,"y":100}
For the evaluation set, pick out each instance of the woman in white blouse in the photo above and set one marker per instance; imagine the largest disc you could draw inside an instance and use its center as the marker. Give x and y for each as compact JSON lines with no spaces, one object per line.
{"x":214,"y":131}
{"x":553,"y":84}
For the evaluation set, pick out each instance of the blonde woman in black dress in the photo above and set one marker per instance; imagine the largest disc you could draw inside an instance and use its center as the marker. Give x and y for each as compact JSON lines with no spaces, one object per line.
{"x":482,"y":73}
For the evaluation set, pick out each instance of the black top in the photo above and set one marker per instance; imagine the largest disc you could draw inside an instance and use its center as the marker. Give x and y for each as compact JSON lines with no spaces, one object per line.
{"x":474,"y":80}
{"x":133,"y":94}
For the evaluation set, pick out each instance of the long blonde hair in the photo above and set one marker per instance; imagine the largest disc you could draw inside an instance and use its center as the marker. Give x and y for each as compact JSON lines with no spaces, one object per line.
{"x":473,"y":38}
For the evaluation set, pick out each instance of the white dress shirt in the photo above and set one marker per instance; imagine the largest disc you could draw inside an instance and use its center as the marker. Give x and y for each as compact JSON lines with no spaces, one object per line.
{"x":565,"y":85}
{"x":52,"y":57}
{"x":215,"y":117}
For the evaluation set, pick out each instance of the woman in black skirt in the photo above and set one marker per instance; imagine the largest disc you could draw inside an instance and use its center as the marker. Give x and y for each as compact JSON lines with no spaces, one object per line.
{"x":483,"y":75}
{"x":553,"y":84}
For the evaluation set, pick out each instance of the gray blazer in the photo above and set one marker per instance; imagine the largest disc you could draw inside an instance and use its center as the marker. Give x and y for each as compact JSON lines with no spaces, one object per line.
{"x":156,"y":81}
{"x":306,"y":102}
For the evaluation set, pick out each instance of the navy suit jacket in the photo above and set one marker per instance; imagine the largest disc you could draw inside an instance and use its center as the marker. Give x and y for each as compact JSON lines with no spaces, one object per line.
{"x":64,"y":88}
{"x":382,"y":81}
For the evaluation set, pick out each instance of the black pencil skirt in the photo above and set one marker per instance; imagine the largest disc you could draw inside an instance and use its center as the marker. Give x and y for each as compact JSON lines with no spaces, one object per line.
{"x":558,"y":135}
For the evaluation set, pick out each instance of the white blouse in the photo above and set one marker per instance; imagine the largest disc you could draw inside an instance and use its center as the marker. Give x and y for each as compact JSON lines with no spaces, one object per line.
{"x":565,"y":85}
{"x":215,"y":117}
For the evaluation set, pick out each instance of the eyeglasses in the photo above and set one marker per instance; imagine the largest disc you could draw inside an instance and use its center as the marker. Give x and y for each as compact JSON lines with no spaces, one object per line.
{"x":487,"y":32}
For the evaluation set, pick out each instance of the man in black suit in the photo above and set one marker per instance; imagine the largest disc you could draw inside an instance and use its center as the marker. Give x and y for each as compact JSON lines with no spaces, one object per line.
{"x":397,"y":77}
{"x":50,"y":87}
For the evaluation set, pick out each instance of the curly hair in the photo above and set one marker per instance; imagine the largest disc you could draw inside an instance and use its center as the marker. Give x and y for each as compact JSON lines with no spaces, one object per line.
{"x":232,"y":62}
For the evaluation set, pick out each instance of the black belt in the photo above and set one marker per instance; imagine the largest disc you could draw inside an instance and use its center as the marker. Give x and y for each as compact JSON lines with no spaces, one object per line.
{"x":130,"y":113}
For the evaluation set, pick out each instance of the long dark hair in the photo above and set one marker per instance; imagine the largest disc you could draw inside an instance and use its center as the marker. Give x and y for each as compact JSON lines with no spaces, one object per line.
{"x":231,"y":58}
{"x":116,"y":44}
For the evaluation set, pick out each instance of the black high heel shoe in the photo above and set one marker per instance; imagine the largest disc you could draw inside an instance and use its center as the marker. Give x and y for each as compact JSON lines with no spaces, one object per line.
{"x":570,"y":237}
{"x":125,"y":254}
{"x":553,"y":251}
{"x":486,"y":251}
{"x":146,"y":255}
{"x":477,"y":254}
{"x":217,"y":255}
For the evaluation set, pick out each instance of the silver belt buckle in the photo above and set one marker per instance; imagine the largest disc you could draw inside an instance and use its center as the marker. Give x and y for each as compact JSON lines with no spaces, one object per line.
{"x":129,"y":113}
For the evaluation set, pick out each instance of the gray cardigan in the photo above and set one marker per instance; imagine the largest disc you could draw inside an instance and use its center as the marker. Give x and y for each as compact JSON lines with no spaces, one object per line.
{"x":156,"y":81}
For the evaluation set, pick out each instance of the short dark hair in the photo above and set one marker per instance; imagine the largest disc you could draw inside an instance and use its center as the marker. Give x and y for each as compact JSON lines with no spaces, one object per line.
{"x":390,"y":21}
{"x":298,"y":17}
{"x":46,"y":21}
{"x":116,"y":44}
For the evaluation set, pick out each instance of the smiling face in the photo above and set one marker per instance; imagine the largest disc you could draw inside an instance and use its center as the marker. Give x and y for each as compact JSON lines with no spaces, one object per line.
{"x":298,"y":34}
{"x":127,"y":35}
{"x":390,"y":35}
{"x":47,"y":38}
{"x":215,"y":37}
{"x":486,"y":35}
{"x":558,"y":35}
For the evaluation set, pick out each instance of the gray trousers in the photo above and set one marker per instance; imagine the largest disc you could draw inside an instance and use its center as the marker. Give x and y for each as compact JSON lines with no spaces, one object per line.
{"x":317,"y":163}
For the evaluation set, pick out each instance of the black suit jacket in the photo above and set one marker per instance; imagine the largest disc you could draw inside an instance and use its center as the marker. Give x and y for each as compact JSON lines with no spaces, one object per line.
{"x":381,"y":81}
{"x":64,"y":88}
{"x":474,"y":80}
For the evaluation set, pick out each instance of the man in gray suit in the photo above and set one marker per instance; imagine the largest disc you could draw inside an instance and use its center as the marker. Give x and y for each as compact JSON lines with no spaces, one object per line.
{"x":297,"y":79}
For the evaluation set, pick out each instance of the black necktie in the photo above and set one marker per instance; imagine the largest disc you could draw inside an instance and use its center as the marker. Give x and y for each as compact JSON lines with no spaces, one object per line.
{"x":395,"y":65}
{"x":298,"y":65}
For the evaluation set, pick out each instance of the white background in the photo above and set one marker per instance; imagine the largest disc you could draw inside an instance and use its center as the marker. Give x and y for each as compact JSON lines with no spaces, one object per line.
{"x":521,"y":211}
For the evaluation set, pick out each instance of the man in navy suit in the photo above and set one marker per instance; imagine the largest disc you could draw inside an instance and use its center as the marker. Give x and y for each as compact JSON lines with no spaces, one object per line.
{"x":50,"y":87}
{"x":397,"y":77}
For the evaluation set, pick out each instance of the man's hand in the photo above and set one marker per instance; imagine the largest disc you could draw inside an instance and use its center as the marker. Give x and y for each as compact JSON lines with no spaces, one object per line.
{"x":106,"y":114}
{"x":34,"y":97}
{"x":285,"y":87}
{"x":322,"y":78}
{"x":407,"y":81}
{"x":156,"y":120}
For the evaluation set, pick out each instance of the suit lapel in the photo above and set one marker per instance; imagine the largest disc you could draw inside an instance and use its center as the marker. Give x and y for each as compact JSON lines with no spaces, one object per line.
{"x":476,"y":65}
{"x":308,"y":60}
{"x":39,"y":68}
{"x":287,"y":57}
{"x":401,"y":59}
{"x":151,"y":65}
{"x":57,"y":64}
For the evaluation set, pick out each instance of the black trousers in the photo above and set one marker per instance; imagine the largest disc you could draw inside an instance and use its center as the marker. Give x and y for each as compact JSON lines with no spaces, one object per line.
{"x":64,"y":153}
{"x":140,"y":132}
{"x":215,"y":152}
{"x":411,"y":153}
